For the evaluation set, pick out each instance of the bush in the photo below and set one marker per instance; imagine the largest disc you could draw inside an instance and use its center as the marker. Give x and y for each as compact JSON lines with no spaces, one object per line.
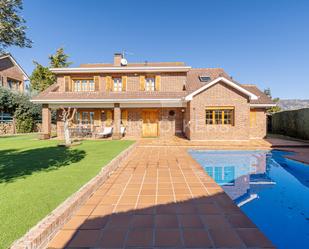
{"x":19,"y":105}
{"x":24,"y":125}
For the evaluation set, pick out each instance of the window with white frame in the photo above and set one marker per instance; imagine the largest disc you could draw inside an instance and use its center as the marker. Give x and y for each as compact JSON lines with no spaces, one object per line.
{"x":91,"y":85}
{"x":150,"y":84}
{"x":83,"y":85}
{"x":117,"y":84}
{"x":77,"y":85}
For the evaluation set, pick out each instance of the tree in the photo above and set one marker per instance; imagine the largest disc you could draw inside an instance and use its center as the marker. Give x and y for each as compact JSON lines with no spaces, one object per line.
{"x":267,"y":91}
{"x":60,"y":59}
{"x":67,"y":116}
{"x":276,"y":108}
{"x":41,"y":77}
{"x":12,"y":26}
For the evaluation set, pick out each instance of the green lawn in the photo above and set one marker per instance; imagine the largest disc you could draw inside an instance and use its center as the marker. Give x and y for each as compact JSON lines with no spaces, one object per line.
{"x":37,"y":175}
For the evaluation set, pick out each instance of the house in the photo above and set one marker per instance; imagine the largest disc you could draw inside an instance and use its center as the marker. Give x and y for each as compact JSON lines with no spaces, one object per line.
{"x":156,"y":100}
{"x":12,"y":75}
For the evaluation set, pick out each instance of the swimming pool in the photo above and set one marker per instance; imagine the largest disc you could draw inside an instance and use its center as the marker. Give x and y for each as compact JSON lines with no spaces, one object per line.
{"x":271,"y":189}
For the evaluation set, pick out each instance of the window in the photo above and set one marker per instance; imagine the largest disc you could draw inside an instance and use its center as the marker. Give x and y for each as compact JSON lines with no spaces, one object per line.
{"x":83,"y":85}
{"x":91,"y":85}
{"x":77,"y":118}
{"x":220,"y":116}
{"x":91,"y":114}
{"x":13,"y":84}
{"x":77,"y":86}
{"x":117,"y":84}
{"x":204,"y":78}
{"x":150,"y":84}
{"x":85,"y":119}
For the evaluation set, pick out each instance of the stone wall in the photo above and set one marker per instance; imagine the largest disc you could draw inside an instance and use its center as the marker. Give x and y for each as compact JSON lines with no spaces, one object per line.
{"x":8,"y":128}
{"x":293,"y":123}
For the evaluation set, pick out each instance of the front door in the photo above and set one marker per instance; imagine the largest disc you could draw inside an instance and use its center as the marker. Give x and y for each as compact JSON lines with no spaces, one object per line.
{"x":150,"y":123}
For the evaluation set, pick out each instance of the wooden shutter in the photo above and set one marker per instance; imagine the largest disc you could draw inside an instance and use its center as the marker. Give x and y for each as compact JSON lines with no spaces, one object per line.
{"x":252,"y":118}
{"x":158,"y":83}
{"x":124,"y":117}
{"x":142,"y":82}
{"x":109,"y":118}
{"x":67,"y":82}
{"x":96,"y":80}
{"x":97,"y":118}
{"x":108,"y":83}
{"x":124,"y":83}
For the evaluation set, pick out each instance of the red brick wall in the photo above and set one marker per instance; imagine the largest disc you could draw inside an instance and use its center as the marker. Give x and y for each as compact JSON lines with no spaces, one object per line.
{"x":9,"y":70}
{"x":219,"y":95}
{"x":258,"y":126}
{"x":170,"y":82}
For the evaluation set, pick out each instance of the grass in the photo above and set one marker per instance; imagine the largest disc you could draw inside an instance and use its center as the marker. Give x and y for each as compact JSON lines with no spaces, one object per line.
{"x":37,"y":175}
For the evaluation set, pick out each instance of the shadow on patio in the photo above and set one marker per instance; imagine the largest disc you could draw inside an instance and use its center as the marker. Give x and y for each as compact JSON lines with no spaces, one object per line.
{"x":211,"y":221}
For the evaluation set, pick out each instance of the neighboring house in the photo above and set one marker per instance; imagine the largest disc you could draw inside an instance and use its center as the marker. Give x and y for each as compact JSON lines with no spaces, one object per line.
{"x":12,"y":75}
{"x":156,"y":100}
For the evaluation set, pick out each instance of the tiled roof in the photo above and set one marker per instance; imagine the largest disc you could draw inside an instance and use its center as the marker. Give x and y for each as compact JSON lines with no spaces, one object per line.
{"x":263,"y":98}
{"x":109,"y":95}
{"x":193,"y":83}
{"x":145,"y":64}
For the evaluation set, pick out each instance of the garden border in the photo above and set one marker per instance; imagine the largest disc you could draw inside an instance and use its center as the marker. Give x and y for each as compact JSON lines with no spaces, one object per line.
{"x":40,"y":235}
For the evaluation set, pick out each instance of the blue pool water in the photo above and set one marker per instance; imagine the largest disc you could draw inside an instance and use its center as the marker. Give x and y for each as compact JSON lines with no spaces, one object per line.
{"x":271,"y":189}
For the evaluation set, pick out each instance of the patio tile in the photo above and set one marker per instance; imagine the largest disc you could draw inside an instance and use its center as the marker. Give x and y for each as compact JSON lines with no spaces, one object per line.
{"x":166,"y":221}
{"x":140,"y":238}
{"x":196,"y":238}
{"x":62,"y":239}
{"x":240,"y":221}
{"x":190,"y":220}
{"x":112,"y":238}
{"x":252,"y":237}
{"x":208,"y":208}
{"x":102,"y":210}
{"x":215,"y":221}
{"x":85,"y":238}
{"x":94,"y":222}
{"x":119,"y":221}
{"x":168,"y":238}
{"x":85,"y":210}
{"x":160,"y":198}
{"x":142,"y":221}
{"x":166,"y":209}
{"x":75,"y":222}
{"x":225,"y":238}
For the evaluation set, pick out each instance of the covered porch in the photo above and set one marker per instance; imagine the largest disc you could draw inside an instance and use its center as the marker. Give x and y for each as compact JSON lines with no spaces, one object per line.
{"x":117,"y":121}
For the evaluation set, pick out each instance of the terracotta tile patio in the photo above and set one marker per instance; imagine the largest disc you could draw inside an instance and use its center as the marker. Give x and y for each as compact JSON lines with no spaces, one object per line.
{"x":160,"y":198}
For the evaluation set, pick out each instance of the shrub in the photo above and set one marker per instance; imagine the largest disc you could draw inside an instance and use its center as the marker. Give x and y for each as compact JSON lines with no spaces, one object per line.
{"x":24,"y":125}
{"x":19,"y":105}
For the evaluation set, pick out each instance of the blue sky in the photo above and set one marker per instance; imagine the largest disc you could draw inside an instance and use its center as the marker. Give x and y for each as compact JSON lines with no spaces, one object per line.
{"x":259,"y":42}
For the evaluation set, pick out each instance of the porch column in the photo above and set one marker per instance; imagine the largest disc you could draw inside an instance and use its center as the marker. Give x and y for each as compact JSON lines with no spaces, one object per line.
{"x":46,"y":121}
{"x":117,"y":120}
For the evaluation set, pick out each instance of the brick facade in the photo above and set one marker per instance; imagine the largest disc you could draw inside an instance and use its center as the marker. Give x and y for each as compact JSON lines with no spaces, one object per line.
{"x":175,"y":84}
{"x":217,"y":96}
{"x":258,"y":126}
{"x":10,"y":71}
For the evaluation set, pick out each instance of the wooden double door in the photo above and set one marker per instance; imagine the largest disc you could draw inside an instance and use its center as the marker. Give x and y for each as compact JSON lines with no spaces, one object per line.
{"x":150,"y":123}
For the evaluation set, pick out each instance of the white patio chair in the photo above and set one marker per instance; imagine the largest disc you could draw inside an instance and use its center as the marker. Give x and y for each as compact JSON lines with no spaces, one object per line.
{"x":107,"y":131}
{"x":122,"y":130}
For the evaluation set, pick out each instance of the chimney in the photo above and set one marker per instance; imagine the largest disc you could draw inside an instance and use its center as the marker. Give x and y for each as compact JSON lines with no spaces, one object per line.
{"x":117,"y":59}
